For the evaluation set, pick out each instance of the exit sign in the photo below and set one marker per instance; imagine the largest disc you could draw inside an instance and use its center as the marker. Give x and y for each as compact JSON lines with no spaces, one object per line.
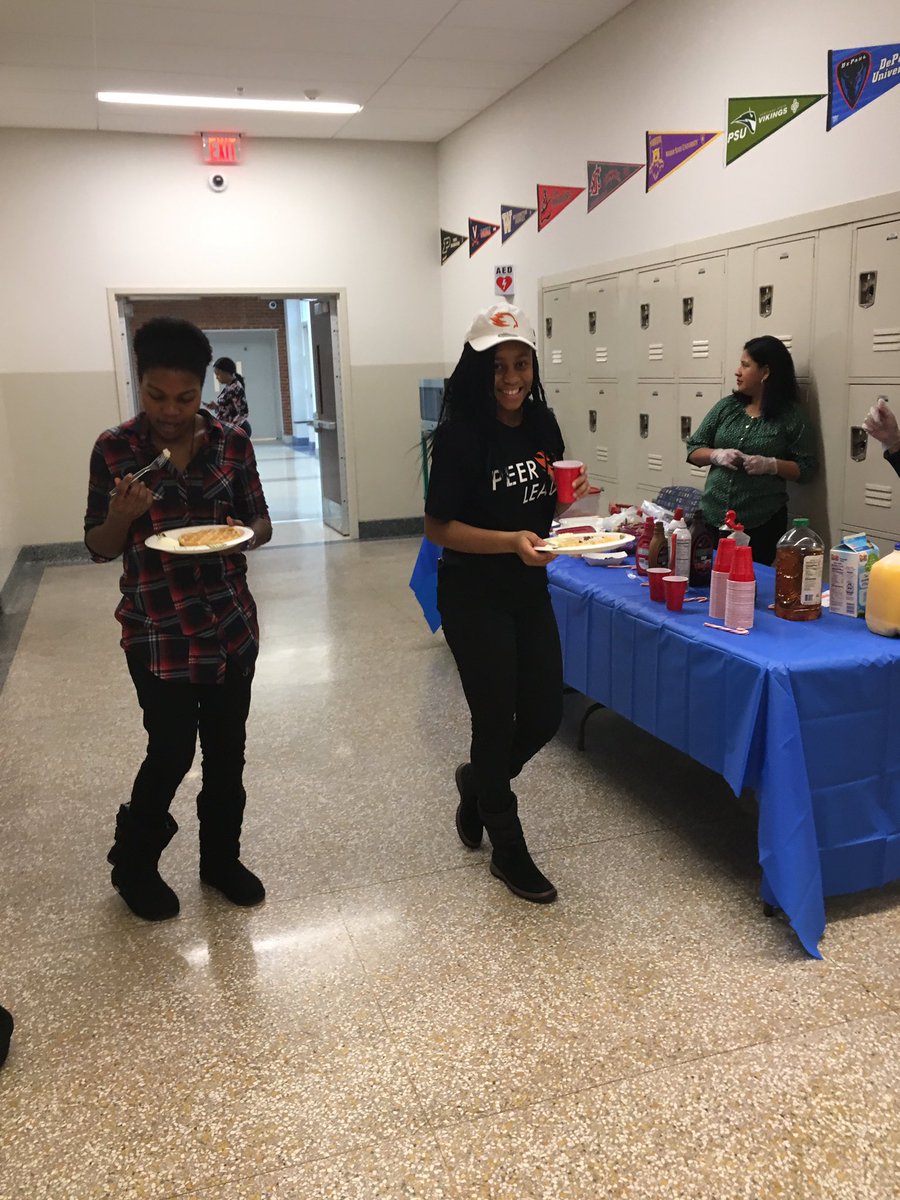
{"x":221,"y":148}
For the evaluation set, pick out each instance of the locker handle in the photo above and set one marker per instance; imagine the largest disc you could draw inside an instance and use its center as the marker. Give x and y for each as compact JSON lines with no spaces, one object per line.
{"x":645,"y":316}
{"x":687,"y":310}
{"x":765,"y":300}
{"x":592,"y":322}
{"x":868,"y":282}
{"x":644,"y":424}
{"x":548,"y":325}
{"x":592,"y":420}
{"x":685,"y":428}
{"x":859,"y":441}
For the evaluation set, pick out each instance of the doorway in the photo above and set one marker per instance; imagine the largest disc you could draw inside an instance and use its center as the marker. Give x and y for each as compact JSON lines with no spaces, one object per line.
{"x":303,"y":467}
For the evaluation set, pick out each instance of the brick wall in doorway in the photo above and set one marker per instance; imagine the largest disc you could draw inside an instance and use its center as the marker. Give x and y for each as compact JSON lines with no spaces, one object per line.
{"x":226,"y":312}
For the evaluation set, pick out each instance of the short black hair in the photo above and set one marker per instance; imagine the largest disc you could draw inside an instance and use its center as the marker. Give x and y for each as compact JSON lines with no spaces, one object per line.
{"x":174,"y":345}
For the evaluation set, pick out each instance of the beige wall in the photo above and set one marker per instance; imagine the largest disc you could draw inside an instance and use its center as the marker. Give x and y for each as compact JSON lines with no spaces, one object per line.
{"x":81,"y":213}
{"x":10,"y":536}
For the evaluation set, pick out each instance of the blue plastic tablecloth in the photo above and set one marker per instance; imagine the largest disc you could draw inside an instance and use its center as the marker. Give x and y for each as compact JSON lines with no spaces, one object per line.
{"x":805,"y":713}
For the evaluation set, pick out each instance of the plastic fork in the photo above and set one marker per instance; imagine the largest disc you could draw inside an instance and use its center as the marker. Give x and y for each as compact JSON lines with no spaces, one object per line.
{"x":159,"y":461}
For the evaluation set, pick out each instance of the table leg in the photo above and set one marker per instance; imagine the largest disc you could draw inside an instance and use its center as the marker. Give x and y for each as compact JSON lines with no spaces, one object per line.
{"x":592,"y":708}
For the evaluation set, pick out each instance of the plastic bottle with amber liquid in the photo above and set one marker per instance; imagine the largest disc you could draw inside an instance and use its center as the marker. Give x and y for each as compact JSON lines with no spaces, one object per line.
{"x":799,"y":562}
{"x":658,"y":551}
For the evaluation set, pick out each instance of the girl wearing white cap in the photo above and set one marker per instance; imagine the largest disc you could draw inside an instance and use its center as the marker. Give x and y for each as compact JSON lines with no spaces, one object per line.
{"x":491,"y":499}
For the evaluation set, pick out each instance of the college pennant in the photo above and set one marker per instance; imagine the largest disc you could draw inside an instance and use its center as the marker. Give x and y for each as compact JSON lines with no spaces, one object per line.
{"x":551,"y":200}
{"x":479,"y":233}
{"x":604,"y":178}
{"x":752,"y":119}
{"x":857,"y":77}
{"x":450,"y":243}
{"x":512,"y":219}
{"x":666,"y":152}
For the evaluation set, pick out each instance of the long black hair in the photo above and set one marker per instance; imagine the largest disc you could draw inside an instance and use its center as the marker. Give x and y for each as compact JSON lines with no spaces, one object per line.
{"x":780,"y":391}
{"x":229,"y":366}
{"x":469,"y":395}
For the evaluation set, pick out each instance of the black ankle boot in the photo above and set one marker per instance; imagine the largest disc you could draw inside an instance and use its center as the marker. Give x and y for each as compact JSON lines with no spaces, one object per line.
{"x":6,"y":1028}
{"x":511,"y":861}
{"x":135,"y":857}
{"x":221,"y":818}
{"x":234,"y":881}
{"x":468,"y":822}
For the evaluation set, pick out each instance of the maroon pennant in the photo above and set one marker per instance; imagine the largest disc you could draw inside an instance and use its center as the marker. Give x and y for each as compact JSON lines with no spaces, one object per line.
{"x":604,"y":178}
{"x":479,"y":233}
{"x":551,"y":200}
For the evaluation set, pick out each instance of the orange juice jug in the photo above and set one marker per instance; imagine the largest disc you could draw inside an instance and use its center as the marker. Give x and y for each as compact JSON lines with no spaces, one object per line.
{"x":883,"y":600}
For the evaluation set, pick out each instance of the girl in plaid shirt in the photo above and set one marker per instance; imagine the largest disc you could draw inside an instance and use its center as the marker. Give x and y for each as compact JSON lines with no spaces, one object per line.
{"x":189,"y":628}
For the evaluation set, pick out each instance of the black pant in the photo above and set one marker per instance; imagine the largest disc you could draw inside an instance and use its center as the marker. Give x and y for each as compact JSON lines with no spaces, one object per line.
{"x":173,"y":713}
{"x":764,"y":538}
{"x":506,"y":644}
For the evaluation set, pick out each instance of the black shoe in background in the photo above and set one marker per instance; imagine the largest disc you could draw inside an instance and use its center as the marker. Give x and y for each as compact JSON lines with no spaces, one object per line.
{"x":6,"y":1028}
{"x":468,"y":822}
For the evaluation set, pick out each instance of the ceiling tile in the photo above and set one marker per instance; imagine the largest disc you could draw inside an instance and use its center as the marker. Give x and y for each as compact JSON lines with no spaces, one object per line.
{"x":495,"y":45}
{"x":459,"y":98}
{"x":456,"y":72}
{"x":399,"y":124}
{"x":574,"y":17}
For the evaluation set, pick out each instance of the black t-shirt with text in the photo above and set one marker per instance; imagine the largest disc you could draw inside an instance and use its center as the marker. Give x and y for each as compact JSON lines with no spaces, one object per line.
{"x":501,"y":479}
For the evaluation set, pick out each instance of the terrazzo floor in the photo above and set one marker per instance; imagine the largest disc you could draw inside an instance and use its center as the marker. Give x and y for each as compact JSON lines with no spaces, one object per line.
{"x":392,"y":1022}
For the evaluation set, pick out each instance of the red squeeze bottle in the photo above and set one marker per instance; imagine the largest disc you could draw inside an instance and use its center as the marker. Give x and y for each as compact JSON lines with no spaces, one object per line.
{"x":718,"y":584}
{"x":740,"y":594}
{"x":642,"y":549}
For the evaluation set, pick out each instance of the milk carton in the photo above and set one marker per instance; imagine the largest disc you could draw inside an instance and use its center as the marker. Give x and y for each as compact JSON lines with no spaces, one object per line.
{"x":851,"y":561}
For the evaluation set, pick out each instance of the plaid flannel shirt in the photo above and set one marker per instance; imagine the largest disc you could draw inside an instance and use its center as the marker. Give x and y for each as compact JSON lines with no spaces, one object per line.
{"x":182,"y":616}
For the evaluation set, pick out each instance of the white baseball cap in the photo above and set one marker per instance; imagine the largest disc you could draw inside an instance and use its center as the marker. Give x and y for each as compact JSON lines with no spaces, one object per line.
{"x":500,"y":323}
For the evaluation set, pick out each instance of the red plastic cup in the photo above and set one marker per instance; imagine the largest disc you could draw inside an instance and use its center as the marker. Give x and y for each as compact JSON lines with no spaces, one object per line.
{"x":675,"y":587}
{"x":565,"y":472}
{"x":656,"y":575}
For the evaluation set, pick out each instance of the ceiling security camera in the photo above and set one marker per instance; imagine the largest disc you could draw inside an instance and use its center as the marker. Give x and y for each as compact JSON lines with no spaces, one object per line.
{"x":217,"y":182}
{"x":273,"y":304}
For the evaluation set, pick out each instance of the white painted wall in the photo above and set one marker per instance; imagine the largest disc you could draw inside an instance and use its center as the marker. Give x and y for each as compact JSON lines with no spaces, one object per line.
{"x":84,"y":212}
{"x":663,"y":66}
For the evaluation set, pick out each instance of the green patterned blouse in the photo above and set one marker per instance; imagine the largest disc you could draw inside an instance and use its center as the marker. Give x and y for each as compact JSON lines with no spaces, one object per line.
{"x":755,"y":498}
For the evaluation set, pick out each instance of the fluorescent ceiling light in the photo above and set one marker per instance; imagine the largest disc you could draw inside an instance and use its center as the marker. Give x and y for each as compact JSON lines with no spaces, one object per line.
{"x":234,"y":102}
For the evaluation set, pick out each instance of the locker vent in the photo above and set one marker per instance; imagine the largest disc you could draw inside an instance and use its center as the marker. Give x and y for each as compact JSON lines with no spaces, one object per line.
{"x":556,"y":357}
{"x":654,"y":462}
{"x":655,"y":351}
{"x":885,"y":339}
{"x":603,"y":454}
{"x":700,"y":348}
{"x":787,"y":338}
{"x":700,"y":472}
{"x":601,"y":354}
{"x":879,"y":496}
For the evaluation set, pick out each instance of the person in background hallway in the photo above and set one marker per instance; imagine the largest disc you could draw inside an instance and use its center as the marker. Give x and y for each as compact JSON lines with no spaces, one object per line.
{"x":189,"y":627}
{"x":491,"y":499}
{"x":231,"y":402}
{"x":755,"y":441}
{"x":881,"y":424}
{"x":6,"y":1029}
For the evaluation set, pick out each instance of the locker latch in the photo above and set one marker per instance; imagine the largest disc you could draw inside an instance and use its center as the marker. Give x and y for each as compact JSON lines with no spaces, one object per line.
{"x":685,"y":428}
{"x":645,"y":316}
{"x":592,"y":420}
{"x":592,"y":322}
{"x":859,"y":440}
{"x":644,"y":419}
{"x":765,"y":300}
{"x":548,"y":325}
{"x":868,"y":281}
{"x":687,"y":310}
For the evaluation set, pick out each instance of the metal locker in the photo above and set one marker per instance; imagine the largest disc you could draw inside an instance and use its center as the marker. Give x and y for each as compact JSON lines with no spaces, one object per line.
{"x":603,"y":424}
{"x":700,"y":316}
{"x":561,"y":398}
{"x":654,"y":320}
{"x":556,"y":335}
{"x":871,"y":486}
{"x":652,"y":434}
{"x":783,"y":280}
{"x":601,"y":328}
{"x":875,"y":325}
{"x":694,"y":402}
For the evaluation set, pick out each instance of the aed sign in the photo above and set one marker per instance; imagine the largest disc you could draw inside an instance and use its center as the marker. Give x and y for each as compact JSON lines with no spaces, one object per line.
{"x":221,"y":148}
{"x":504,"y":281}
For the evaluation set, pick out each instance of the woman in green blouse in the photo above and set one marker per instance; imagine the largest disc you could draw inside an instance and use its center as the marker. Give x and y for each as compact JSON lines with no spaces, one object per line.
{"x":755,"y":441}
